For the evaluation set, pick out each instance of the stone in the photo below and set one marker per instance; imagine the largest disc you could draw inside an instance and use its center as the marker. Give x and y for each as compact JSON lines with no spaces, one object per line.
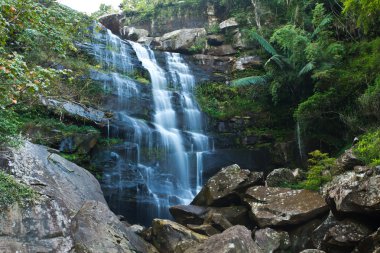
{"x":218,"y":221}
{"x":221,"y":188}
{"x":133,"y":33}
{"x":238,"y":42}
{"x":228,"y":24}
{"x":312,"y":251}
{"x":188,"y":214}
{"x":300,"y":235}
{"x":354,"y":193}
{"x":96,"y":229}
{"x":205,"y":229}
{"x":180,"y":40}
{"x":112,"y":22}
{"x":223,"y":50}
{"x":236,"y":239}
{"x":280,"y":177}
{"x":370,"y":244}
{"x":166,"y":235}
{"x":270,"y":240}
{"x":271,"y":206}
{"x":243,"y":63}
{"x":339,"y":235}
{"x":348,"y":160}
{"x":215,"y":39}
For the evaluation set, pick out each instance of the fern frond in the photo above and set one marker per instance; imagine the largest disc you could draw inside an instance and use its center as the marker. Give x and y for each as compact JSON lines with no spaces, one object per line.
{"x":252,"y":80}
{"x":264,"y":43}
{"x":278,"y":60}
{"x":306,"y":69}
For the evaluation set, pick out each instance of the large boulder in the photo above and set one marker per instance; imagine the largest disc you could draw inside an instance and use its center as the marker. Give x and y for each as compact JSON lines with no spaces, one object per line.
{"x":371,"y":244}
{"x":348,"y":160}
{"x":133,"y":33}
{"x":270,"y":240}
{"x":280,"y":177}
{"x":96,"y":229}
{"x":354,"y":193}
{"x":188,"y":214}
{"x":245,"y":62}
{"x":180,"y":40}
{"x":223,"y":188}
{"x":215,"y":39}
{"x":272,"y":206}
{"x":339,"y":236}
{"x":223,"y":50}
{"x":169,"y":236}
{"x":236,"y":239}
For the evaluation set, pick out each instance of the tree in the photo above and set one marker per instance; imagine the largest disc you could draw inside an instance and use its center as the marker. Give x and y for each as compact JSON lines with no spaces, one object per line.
{"x":366,"y":12}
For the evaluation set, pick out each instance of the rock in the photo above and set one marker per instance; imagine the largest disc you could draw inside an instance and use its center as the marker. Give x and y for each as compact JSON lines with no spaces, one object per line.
{"x":236,"y":215}
{"x":281,"y":206}
{"x":228,"y":24}
{"x":80,"y":143}
{"x":339,"y":236}
{"x":217,"y":65}
{"x":134,"y":34}
{"x":299,"y":174}
{"x":218,"y":221}
{"x":223,"y":50}
{"x":76,"y":110}
{"x":348,"y":160}
{"x":96,"y":229}
{"x":112,"y":22}
{"x":270,"y":240}
{"x":145,"y":40}
{"x":222,"y":188}
{"x":205,"y":229}
{"x":243,"y":63}
{"x":188,"y":214}
{"x":236,"y":239}
{"x":215,"y":39}
{"x":166,"y":235}
{"x":238,"y":42}
{"x":353,"y":193}
{"x":280,"y":177}
{"x":312,"y":251}
{"x":362,"y":169}
{"x":300,"y":235}
{"x":180,"y":40}
{"x":370,"y":244}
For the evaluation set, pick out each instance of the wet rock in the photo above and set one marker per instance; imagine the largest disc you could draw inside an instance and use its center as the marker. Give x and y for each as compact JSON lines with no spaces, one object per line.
{"x":228,"y":24}
{"x":218,"y":65}
{"x":180,"y":40}
{"x":166,"y":235}
{"x":205,"y":229}
{"x":279,"y":177}
{"x":133,"y":33}
{"x":348,"y":160}
{"x":112,"y":22}
{"x":220,"y":190}
{"x":96,"y":229}
{"x":339,"y":236}
{"x":236,"y":239}
{"x":371,"y":244}
{"x":270,"y":240}
{"x":272,"y":206}
{"x":243,"y":63}
{"x":215,"y":39}
{"x":218,"y":221}
{"x":354,"y":193}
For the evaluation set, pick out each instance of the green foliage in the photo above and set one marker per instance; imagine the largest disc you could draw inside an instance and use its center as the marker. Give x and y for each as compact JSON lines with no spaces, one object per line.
{"x":318,"y":170}
{"x":104,"y":9}
{"x":13,"y":192}
{"x":199,"y":45}
{"x":253,"y":80}
{"x":366,"y":12}
{"x":368,"y":148}
{"x":370,"y":101}
{"x":9,"y":125}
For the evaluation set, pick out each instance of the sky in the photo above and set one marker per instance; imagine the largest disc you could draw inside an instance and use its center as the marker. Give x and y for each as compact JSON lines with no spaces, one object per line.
{"x":89,"y":6}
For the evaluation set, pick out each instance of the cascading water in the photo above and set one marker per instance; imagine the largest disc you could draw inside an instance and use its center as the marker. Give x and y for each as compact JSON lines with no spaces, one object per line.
{"x":159,"y":162}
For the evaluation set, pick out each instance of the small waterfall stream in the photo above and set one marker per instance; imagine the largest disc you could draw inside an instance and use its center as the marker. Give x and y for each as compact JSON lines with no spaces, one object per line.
{"x":159,"y":160}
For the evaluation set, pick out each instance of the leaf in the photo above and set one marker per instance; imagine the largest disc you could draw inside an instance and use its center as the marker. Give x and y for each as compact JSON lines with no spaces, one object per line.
{"x":264,"y":43}
{"x":306,"y":69}
{"x":252,"y":80}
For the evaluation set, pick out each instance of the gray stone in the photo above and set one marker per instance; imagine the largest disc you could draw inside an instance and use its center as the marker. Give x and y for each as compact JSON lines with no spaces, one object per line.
{"x":348,"y":160}
{"x":280,"y":177}
{"x":243,"y":63}
{"x":223,"y":50}
{"x":236,"y":239}
{"x":272,"y":206}
{"x":188,"y":214}
{"x":228,"y":24}
{"x":96,"y":229}
{"x":312,"y":251}
{"x":371,"y":244}
{"x":180,"y":40}
{"x":270,"y":240}
{"x":215,"y":39}
{"x":133,"y":33}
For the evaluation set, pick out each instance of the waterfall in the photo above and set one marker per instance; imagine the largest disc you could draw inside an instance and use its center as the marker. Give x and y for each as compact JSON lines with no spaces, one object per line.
{"x":299,"y":140}
{"x":160,"y":159}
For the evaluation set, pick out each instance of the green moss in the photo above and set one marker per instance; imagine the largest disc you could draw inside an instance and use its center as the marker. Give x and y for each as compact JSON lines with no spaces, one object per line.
{"x":13,"y":192}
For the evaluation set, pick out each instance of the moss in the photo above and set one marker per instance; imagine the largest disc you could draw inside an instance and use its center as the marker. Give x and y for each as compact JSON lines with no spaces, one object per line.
{"x":13,"y":192}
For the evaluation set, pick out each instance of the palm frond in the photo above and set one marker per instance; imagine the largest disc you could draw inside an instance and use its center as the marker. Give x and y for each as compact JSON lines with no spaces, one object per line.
{"x":279,"y":60}
{"x":323,"y":23}
{"x":252,"y":80}
{"x":306,"y":69}
{"x":264,"y":43}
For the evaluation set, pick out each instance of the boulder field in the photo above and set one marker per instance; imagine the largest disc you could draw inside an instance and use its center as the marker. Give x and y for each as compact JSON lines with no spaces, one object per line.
{"x":237,"y":211}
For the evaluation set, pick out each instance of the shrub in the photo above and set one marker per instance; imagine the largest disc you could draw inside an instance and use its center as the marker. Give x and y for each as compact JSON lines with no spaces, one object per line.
{"x":368,"y":148}
{"x":12,"y":191}
{"x":318,"y":164}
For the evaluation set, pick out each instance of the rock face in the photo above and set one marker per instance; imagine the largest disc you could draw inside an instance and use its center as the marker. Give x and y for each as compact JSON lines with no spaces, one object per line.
{"x":236,"y":239}
{"x":279,"y":177}
{"x":281,"y":206}
{"x":370,"y":244}
{"x":225,"y":185}
{"x":133,"y":33}
{"x":180,"y":40}
{"x":229,"y":23}
{"x":243,"y":63}
{"x":270,"y":240}
{"x":96,"y":229}
{"x":354,"y":193}
{"x":348,"y":160}
{"x":223,"y":50}
{"x":69,"y":212}
{"x":169,"y":236}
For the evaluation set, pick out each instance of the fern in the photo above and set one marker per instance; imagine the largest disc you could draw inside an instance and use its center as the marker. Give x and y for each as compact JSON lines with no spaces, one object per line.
{"x":323,"y":23}
{"x":279,"y":60}
{"x":306,"y":69}
{"x":264,"y":43}
{"x":252,"y":80}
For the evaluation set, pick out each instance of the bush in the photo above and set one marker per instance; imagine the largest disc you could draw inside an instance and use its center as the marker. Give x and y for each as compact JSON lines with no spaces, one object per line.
{"x":9,"y":125}
{"x":368,"y":148}
{"x":318,"y":164}
{"x":12,"y":191}
{"x":370,"y":101}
